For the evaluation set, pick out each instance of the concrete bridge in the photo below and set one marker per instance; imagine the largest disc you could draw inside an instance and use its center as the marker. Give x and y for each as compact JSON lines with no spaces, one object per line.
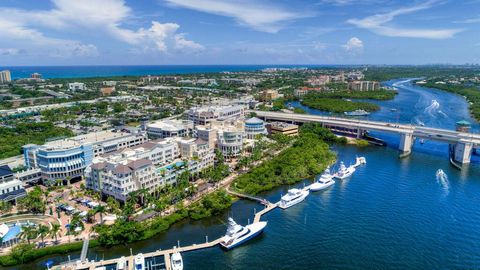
{"x":462,"y":143}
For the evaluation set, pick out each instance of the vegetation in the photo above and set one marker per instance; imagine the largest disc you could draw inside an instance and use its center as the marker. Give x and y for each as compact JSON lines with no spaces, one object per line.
{"x":210,"y":205}
{"x":33,"y":202}
{"x":308,"y":156}
{"x":335,"y":105}
{"x":12,"y":139}
{"x":376,"y":95}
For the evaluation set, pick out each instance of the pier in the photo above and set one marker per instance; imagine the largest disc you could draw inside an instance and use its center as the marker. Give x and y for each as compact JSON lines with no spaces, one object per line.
{"x":91,"y":265}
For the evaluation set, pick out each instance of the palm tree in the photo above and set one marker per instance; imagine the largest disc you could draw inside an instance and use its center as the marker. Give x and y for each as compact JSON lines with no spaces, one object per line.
{"x":43,"y":231}
{"x":54,"y":231}
{"x":101,"y":210}
{"x":29,"y":233}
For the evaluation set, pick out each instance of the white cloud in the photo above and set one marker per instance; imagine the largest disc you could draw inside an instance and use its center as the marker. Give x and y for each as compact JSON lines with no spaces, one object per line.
{"x":471,"y":20}
{"x":262,"y":17}
{"x":377,"y":24}
{"x":354,"y":45}
{"x":97,"y":16}
{"x":11,"y":51}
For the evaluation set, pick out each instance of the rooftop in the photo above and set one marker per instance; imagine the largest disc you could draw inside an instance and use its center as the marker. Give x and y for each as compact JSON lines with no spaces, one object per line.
{"x":90,"y":138}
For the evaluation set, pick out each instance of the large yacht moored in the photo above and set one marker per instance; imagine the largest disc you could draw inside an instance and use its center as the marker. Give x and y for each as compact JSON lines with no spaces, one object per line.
{"x":323,"y":182}
{"x":238,"y":234}
{"x":292,"y":197}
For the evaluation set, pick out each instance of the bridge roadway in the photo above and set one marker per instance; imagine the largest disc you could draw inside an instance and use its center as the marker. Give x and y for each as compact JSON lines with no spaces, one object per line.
{"x":463,"y":142}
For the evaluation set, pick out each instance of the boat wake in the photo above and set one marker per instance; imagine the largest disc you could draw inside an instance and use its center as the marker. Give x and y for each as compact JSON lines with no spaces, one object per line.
{"x":432,"y":108}
{"x":442,"y":180}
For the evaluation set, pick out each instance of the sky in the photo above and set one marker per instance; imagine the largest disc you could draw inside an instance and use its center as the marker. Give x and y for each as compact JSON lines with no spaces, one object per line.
{"x":205,"y":32}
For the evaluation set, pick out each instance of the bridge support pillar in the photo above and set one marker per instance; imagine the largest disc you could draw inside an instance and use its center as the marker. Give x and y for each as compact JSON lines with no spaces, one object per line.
{"x":359,"y":133}
{"x":462,"y":152}
{"x":406,"y":142}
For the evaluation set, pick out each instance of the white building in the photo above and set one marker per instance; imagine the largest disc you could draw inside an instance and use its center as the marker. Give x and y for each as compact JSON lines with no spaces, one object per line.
{"x":227,"y":136}
{"x":254,"y":127}
{"x":169,"y":128}
{"x":76,"y":86}
{"x":148,"y":166}
{"x":11,"y":189}
{"x":204,"y":115}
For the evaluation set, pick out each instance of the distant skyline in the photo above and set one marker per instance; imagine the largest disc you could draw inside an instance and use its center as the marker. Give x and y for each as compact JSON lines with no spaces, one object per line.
{"x":267,"y":32}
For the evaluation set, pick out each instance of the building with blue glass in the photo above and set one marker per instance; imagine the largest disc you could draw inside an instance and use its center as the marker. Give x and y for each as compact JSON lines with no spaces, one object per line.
{"x":254,"y":127}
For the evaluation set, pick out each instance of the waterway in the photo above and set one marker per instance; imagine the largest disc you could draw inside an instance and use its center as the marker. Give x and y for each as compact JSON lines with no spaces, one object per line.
{"x":391,"y":214}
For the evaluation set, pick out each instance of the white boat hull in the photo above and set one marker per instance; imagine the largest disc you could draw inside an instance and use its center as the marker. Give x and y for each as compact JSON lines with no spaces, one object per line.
{"x":298,"y":200}
{"x":317,"y":186}
{"x":255,"y":230}
{"x":346,"y":174}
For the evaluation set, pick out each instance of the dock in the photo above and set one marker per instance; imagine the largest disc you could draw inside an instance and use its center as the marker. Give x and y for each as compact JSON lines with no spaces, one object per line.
{"x":91,"y":265}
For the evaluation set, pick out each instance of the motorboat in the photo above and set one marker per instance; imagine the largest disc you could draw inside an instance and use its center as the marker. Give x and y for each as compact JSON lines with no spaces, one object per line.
{"x":238,"y":234}
{"x":360,"y":161}
{"x":177,"y":261}
{"x":139,"y":262}
{"x":344,"y":171}
{"x":357,"y":113}
{"x":324,"y":181}
{"x":122,"y":263}
{"x":292,"y":197}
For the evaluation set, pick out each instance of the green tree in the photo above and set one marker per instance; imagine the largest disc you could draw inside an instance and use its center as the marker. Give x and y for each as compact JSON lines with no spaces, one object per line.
{"x":55,"y":231}
{"x":43,"y":231}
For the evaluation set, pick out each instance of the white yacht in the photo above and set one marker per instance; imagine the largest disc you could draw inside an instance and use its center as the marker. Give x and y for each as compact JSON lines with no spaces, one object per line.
{"x":177,"y":261}
{"x":360,"y":161}
{"x":122,"y":264}
{"x":139,"y":262}
{"x":323,"y":182}
{"x":293,"y":197}
{"x":237,"y":234}
{"x":344,"y":171}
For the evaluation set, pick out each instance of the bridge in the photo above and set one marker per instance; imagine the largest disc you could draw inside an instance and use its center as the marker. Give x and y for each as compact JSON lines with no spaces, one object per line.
{"x":462,"y":143}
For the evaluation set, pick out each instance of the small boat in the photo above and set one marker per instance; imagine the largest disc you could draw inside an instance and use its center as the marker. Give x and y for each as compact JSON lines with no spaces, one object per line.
{"x":344,"y":171}
{"x":122,"y":263}
{"x":422,"y":141}
{"x":293,"y":197}
{"x":393,"y":110}
{"x":357,"y":113}
{"x":359,"y":161}
{"x":323,"y":182}
{"x":177,"y":261}
{"x":139,"y":262}
{"x":238,"y":234}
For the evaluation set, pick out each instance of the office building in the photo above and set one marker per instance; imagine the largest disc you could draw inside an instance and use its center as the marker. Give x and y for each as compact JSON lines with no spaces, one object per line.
{"x":68,"y":158}
{"x":76,"y":86}
{"x":169,"y":128}
{"x":254,"y":127}
{"x":269,"y":95}
{"x":5,"y":76}
{"x":204,"y":115}
{"x":11,"y":189}
{"x":282,"y":128}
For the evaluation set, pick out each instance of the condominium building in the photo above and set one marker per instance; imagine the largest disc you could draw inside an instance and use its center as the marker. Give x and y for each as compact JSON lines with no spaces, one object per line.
{"x":254,"y":127}
{"x":68,"y":158}
{"x":227,"y":136}
{"x":282,"y":128}
{"x":305,"y":90}
{"x":204,"y":115}
{"x":148,"y":166}
{"x":5,"y":76}
{"x":169,"y":128}
{"x":363,"y":86}
{"x":269,"y":95}
{"x":11,"y":189}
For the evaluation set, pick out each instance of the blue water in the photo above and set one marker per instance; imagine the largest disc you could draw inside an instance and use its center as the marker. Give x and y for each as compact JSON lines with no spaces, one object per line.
{"x":391,"y":214}
{"x":107,"y":71}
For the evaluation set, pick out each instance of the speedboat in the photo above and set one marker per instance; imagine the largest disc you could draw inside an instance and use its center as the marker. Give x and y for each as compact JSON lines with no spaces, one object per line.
{"x":177,"y":261}
{"x":344,"y":171}
{"x":359,"y":161}
{"x":357,"y":113}
{"x":324,"y":181}
{"x":293,"y":197}
{"x":122,"y":264}
{"x":238,"y":234}
{"x":139,"y":262}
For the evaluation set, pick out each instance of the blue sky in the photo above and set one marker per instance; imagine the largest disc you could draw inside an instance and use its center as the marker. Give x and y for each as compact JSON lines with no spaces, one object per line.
{"x":111,"y":32}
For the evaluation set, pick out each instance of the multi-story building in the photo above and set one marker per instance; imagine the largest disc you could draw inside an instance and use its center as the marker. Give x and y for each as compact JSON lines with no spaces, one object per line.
{"x":269,"y":95}
{"x":204,"y":115}
{"x":68,"y":158}
{"x":305,"y":90}
{"x":254,"y":127}
{"x":363,"y":86}
{"x":282,"y":128}
{"x":11,"y":189}
{"x":35,"y":75}
{"x":227,"y":136}
{"x":148,"y":166}
{"x":76,"y":86}
{"x":170,"y":128}
{"x":5,"y":76}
